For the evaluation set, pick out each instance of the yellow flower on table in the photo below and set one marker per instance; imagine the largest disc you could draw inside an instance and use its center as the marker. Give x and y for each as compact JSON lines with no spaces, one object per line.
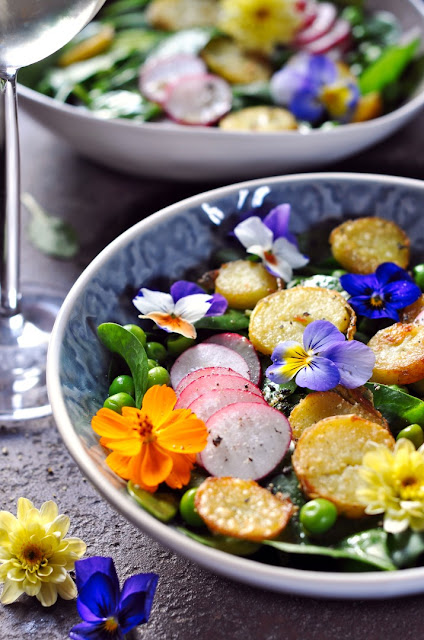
{"x":154,"y":444}
{"x":260,"y":24}
{"x":35,"y":556}
{"x":393,"y":484}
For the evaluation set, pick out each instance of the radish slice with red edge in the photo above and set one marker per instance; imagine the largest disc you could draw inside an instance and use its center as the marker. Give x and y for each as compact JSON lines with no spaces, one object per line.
{"x":212,"y":401}
{"x":337,"y":38}
{"x":157,"y":74}
{"x":207,"y":355}
{"x":207,"y":383}
{"x":309,"y":14}
{"x":323,"y":22}
{"x":198,"y":100}
{"x":199,"y":373}
{"x":243,"y":347}
{"x":246,"y":441}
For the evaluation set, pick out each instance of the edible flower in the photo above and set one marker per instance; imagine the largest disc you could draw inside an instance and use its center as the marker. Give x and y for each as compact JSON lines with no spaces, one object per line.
{"x":178,"y":310}
{"x":271,"y":240}
{"x":313,"y":86}
{"x":325,"y":359}
{"x":35,"y":556}
{"x":154,"y":444}
{"x":108,"y":612}
{"x":381,"y":294}
{"x":393,"y":484}
{"x":260,"y":24}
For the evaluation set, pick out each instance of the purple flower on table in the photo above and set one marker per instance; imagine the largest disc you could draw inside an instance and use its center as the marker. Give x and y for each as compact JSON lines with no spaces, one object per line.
{"x":271,"y":240}
{"x":381,"y":294}
{"x":325,"y":359}
{"x":107,"y":612}
{"x":313,"y":86}
{"x":178,"y":310}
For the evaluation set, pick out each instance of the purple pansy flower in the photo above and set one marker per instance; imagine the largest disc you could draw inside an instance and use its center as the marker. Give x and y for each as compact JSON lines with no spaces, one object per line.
{"x":381,"y":294}
{"x":313,"y":86}
{"x":325,"y":359}
{"x":271,"y":240}
{"x":109,"y":613}
{"x":178,"y":310}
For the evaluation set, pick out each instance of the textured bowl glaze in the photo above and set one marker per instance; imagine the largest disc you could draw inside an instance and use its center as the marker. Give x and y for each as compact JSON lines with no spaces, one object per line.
{"x":162,"y":248}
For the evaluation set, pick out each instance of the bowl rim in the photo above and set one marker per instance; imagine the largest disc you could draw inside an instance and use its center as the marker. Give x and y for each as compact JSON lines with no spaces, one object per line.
{"x":296,"y":581}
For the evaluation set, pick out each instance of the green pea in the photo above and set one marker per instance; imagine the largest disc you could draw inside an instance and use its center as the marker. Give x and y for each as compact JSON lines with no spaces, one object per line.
{"x":414,"y":433}
{"x":122,"y":384}
{"x":157,"y":375}
{"x":337,"y":273}
{"x":318,"y":516}
{"x":354,"y":15}
{"x":418,"y":272}
{"x":117,"y":401}
{"x":188,"y":510}
{"x":176,"y":344}
{"x":137,"y":332}
{"x":152,"y":363}
{"x":156,"y":351}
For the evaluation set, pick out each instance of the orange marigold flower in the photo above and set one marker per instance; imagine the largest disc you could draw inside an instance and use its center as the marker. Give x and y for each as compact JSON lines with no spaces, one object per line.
{"x":154,"y":444}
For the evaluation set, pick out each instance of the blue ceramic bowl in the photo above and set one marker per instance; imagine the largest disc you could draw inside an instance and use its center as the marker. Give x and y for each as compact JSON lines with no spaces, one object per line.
{"x":164,"y":247}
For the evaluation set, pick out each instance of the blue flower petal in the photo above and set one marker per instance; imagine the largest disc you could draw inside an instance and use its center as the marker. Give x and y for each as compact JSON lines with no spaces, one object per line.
{"x":362,"y":306}
{"x":136,"y":600}
{"x":87,"y":631}
{"x":391,"y":272}
{"x":320,"y":334}
{"x":357,"y":285}
{"x":184,"y":288}
{"x":86,"y":567}
{"x":322,"y":69}
{"x":277,"y":221}
{"x":354,"y":360}
{"x":274,"y":373}
{"x":401,"y":293}
{"x":280,"y":351}
{"x":320,"y":375}
{"x":99,"y":596}
{"x":219,"y":305}
{"x":305,"y":105}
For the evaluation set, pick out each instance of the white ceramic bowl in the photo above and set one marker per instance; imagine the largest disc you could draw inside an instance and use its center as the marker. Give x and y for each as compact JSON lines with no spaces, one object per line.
{"x":198,"y":153}
{"x":157,"y":248}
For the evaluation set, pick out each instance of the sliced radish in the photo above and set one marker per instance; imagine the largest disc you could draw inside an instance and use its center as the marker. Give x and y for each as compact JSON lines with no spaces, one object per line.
{"x":310,"y":13}
{"x":212,"y":401}
{"x":157,"y":74}
{"x":246,"y":441}
{"x":208,"y":383}
{"x":323,"y":22}
{"x":199,"y":373}
{"x":207,"y":355}
{"x":337,"y":37}
{"x":198,"y":100}
{"x":243,"y":347}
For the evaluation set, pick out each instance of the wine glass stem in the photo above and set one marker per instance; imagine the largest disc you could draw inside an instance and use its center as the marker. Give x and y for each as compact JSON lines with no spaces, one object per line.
{"x":9,"y":196}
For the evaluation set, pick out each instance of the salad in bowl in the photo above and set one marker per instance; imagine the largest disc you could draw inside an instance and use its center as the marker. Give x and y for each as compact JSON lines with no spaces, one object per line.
{"x":260,"y":408}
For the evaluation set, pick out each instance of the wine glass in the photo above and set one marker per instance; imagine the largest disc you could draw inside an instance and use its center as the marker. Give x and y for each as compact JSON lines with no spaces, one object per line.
{"x":30,"y":30}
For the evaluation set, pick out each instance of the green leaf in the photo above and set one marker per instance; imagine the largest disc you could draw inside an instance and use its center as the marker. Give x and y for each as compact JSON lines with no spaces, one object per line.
{"x":122,"y":6}
{"x":406,"y":547}
{"x":123,"y":104}
{"x":51,"y":235}
{"x":124,"y":343}
{"x":232,"y":320}
{"x":368,"y":547}
{"x":224,"y":543}
{"x":388,"y":68}
{"x":161,"y":505}
{"x":398,"y":407}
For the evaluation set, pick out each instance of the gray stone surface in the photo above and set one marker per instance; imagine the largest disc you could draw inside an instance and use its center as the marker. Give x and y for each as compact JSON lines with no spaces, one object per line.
{"x":190,"y":602}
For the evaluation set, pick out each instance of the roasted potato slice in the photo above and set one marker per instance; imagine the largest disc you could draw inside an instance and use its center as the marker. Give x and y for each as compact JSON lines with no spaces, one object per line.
{"x":173,"y":15}
{"x":242,"y":509}
{"x":410,"y":313}
{"x":88,"y":48}
{"x":399,"y":354}
{"x":327,"y":457}
{"x":244,"y":283}
{"x":363,"y":244}
{"x":284,"y":315}
{"x":259,"y":119}
{"x":323,"y":404}
{"x":224,"y":57}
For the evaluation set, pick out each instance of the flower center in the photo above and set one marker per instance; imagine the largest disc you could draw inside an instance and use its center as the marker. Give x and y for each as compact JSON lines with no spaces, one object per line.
{"x":270,"y":257}
{"x":376,"y":301}
{"x":262,"y":14}
{"x":111,"y":624}
{"x":410,"y":487}
{"x":144,"y":428}
{"x":32,"y":557}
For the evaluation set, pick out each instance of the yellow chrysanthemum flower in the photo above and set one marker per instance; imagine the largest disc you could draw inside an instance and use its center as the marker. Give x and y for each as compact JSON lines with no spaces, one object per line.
{"x":260,"y":24}
{"x":393,"y":484}
{"x":35,"y":556}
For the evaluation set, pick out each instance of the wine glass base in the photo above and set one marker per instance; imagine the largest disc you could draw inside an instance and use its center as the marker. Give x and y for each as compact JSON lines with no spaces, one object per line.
{"x":24,"y":340}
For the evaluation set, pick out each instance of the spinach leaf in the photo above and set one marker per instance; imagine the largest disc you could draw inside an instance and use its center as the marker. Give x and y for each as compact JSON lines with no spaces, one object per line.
{"x":406,"y":547}
{"x":161,"y":505}
{"x":223,"y":543}
{"x":368,"y":547}
{"x":122,"y":6}
{"x":123,"y":104}
{"x":232,"y":320}
{"x":49,"y":234}
{"x":388,"y":68}
{"x":398,"y":407}
{"x":124,"y":343}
